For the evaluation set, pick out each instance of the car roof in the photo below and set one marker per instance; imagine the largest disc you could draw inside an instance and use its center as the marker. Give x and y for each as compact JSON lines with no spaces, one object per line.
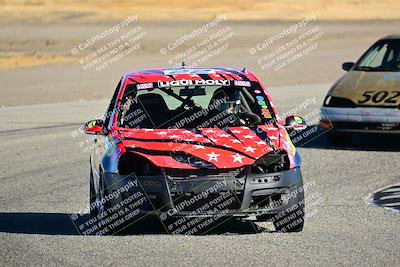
{"x":186,"y":73}
{"x":391,"y":37}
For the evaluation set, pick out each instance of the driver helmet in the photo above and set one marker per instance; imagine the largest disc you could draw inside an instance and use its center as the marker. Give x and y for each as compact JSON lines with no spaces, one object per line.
{"x":230,"y":102}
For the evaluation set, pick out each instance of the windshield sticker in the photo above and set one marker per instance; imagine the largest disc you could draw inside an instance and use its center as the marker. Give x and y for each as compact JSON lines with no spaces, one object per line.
{"x":261,"y":102}
{"x":144,"y":86}
{"x":242,"y":83}
{"x":266,"y":113}
{"x":193,"y":82}
{"x":188,"y":71}
{"x":392,"y":77}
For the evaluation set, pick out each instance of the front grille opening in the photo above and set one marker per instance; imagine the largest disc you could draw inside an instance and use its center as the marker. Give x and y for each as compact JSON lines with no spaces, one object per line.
{"x":149,"y":202}
{"x":212,"y":202}
{"x":273,"y":200}
{"x":339,"y":102}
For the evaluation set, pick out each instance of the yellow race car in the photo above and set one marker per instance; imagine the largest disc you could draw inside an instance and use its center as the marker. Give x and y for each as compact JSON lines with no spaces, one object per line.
{"x":367,"y":98}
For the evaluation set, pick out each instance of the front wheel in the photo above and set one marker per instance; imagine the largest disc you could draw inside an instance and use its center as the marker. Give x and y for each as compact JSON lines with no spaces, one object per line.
{"x":292,"y":218}
{"x":293,"y":221}
{"x":92,"y":197}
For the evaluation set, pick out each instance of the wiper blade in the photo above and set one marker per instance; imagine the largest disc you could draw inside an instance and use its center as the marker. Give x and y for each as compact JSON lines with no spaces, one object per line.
{"x":376,"y":69}
{"x":364,"y":68}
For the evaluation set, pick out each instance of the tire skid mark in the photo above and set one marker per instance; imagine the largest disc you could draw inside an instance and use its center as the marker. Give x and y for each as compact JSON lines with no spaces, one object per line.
{"x":66,"y":125}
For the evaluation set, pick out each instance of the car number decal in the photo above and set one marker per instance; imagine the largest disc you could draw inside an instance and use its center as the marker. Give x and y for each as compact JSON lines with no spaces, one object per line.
{"x":385,"y":97}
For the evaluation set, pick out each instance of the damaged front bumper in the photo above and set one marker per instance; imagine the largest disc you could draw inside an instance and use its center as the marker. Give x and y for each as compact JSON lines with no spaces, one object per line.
{"x":224,"y":194}
{"x":361,"y":120}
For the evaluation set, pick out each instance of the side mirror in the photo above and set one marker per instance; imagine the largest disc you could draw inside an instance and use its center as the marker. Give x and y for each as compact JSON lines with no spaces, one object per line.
{"x":94,"y":127}
{"x":347,"y":66}
{"x":295,"y":123}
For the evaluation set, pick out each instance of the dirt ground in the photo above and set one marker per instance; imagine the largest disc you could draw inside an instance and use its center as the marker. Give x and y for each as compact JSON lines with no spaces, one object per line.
{"x":67,"y":80}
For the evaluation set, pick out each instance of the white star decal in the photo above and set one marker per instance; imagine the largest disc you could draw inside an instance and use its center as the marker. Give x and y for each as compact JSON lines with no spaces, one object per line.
{"x":236,"y":131}
{"x":235,"y":141}
{"x":198,"y":147}
{"x":237,"y":158}
{"x":248,"y":136}
{"x":261,"y":142}
{"x":250,"y":149}
{"x":273,"y":137}
{"x":161,"y":133}
{"x":224,"y":135}
{"x":209,"y":131}
{"x":186,"y":132}
{"x":270,"y":128}
{"x":213,"y":156}
{"x":225,"y":145}
{"x":174,"y":136}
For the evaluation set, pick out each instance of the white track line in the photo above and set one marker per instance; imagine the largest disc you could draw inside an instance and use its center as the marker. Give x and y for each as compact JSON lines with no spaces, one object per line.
{"x":391,"y":204}
{"x":390,"y":197}
{"x":391,"y":190}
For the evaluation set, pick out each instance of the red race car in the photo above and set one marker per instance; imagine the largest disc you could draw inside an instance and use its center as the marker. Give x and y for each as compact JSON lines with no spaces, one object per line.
{"x":193,"y":144}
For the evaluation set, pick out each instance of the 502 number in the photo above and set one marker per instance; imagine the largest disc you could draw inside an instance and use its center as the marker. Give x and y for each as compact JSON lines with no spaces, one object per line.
{"x":386,"y":97}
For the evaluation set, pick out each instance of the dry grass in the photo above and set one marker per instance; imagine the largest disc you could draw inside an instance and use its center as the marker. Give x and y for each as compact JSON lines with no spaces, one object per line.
{"x":14,"y":61}
{"x":150,"y":10}
{"x":91,"y":11}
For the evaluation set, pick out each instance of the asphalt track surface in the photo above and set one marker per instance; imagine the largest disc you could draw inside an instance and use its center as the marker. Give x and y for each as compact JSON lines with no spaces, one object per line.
{"x":45,"y":180}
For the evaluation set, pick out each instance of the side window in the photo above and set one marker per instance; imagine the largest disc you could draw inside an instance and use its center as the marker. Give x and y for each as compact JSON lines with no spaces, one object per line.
{"x":111,"y":106}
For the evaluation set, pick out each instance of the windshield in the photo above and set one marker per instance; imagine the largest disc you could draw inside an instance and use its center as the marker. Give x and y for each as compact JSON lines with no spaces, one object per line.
{"x":382,"y":56}
{"x":193,"y":106}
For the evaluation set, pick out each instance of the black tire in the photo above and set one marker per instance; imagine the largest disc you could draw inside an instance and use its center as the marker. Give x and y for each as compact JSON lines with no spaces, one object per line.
{"x":107,"y":211}
{"x":92,"y":197}
{"x":295,"y":221}
{"x":264,"y":218}
{"x":338,"y":139}
{"x":104,"y":208}
{"x":292,"y":218}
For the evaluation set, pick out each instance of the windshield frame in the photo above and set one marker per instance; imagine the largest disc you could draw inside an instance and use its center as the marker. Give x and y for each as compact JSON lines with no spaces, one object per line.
{"x":382,"y":42}
{"x":254,"y":86}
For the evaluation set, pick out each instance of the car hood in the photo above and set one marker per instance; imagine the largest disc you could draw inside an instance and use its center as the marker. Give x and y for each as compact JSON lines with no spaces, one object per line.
{"x":355,"y":83}
{"x":233,"y":148}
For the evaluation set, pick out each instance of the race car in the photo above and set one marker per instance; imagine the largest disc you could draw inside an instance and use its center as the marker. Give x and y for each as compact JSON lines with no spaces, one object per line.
{"x":202,"y":143}
{"x":367,"y":98}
